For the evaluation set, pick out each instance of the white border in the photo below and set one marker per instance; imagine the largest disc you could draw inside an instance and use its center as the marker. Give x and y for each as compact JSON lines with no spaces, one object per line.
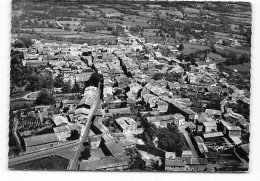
{"x":5,"y":174}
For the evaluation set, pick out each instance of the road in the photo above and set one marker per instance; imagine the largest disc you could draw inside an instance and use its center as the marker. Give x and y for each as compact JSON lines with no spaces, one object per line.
{"x":42,"y":153}
{"x":25,"y":97}
{"x":74,"y":162}
{"x":187,"y":137}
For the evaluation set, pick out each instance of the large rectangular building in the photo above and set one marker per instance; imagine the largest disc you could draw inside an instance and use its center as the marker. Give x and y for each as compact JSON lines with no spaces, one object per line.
{"x":40,"y":142}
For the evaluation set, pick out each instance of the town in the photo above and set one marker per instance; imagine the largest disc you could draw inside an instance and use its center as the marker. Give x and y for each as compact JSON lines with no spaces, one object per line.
{"x":130,"y":86}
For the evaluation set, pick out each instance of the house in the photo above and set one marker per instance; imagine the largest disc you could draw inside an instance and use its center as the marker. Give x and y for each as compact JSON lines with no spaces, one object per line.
{"x":204,"y":65}
{"x":195,"y":164}
{"x":118,"y":136}
{"x":122,"y":111}
{"x":209,"y":126}
{"x":213,"y":113}
{"x":70,"y":103}
{"x":162,"y":106}
{"x":179,"y":119}
{"x":106,"y":163}
{"x":94,"y":140}
{"x":229,"y":129}
{"x":126,"y":124}
{"x":64,"y":132}
{"x":60,"y":120}
{"x":189,"y":114}
{"x":175,"y":165}
{"x":99,"y":128}
{"x":40,"y":142}
{"x":126,"y":143}
{"x":82,"y":112}
{"x":161,"y":121}
{"x":95,"y":154}
{"x":186,"y":153}
{"x":112,"y":148}
{"x":212,"y":136}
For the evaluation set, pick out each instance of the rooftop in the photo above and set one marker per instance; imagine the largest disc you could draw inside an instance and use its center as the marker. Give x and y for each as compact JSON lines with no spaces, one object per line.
{"x":41,"y":139}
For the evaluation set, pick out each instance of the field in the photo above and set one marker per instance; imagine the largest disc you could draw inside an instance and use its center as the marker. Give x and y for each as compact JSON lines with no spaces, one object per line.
{"x":108,"y":10}
{"x":19,"y":104}
{"x":172,"y":12}
{"x":237,"y":51}
{"x":191,"y":11}
{"x":216,"y":57}
{"x":51,"y":162}
{"x":146,"y":13}
{"x":140,"y":21}
{"x":238,"y":19}
{"x":150,"y":32}
{"x":191,"y":48}
{"x":240,"y":67}
{"x":92,"y":12}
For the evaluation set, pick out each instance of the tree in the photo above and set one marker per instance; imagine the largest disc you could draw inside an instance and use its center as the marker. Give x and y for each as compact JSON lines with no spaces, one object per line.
{"x":58,"y":82}
{"x":243,"y":59}
{"x":76,"y":88}
{"x":170,"y":139}
{"x":45,"y":98}
{"x":85,"y":154}
{"x":19,"y":44}
{"x":158,"y":76}
{"x":181,"y":47}
{"x":94,"y":80}
{"x":115,"y":33}
{"x":27,"y":41}
{"x":66,"y":88}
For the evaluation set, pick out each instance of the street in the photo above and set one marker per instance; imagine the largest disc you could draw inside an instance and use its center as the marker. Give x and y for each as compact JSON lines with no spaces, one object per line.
{"x":187,"y":137}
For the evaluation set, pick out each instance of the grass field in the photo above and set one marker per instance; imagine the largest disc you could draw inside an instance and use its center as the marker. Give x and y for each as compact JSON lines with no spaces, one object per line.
{"x":140,"y":21}
{"x":191,"y":10}
{"x":177,"y":13}
{"x":192,"y":48}
{"x":108,"y":10}
{"x":51,"y":162}
{"x":19,"y":104}
{"x":240,"y":67}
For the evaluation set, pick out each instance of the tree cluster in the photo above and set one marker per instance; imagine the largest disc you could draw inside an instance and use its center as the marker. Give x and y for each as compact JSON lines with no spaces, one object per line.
{"x":44,"y":98}
{"x":170,"y":139}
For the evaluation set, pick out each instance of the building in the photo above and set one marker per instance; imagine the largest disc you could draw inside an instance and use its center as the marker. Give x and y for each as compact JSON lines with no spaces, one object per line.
{"x":189,"y":115}
{"x":94,"y":140}
{"x":40,"y":142}
{"x":126,"y":124}
{"x":209,"y":126}
{"x":175,"y":165}
{"x":99,"y":128}
{"x":212,"y":136}
{"x":213,"y":113}
{"x":122,"y":111}
{"x":179,"y":119}
{"x":230,"y":130}
{"x":162,"y":106}
{"x":161,"y":121}
{"x":60,"y":120}
{"x":106,"y":163}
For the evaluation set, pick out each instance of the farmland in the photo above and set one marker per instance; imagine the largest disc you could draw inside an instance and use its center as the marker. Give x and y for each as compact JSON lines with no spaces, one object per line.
{"x":192,"y":48}
{"x":240,"y":67}
{"x":51,"y":162}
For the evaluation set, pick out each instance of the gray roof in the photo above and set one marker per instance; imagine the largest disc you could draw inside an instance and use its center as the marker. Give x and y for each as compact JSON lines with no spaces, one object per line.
{"x":106,"y":162}
{"x":41,"y":139}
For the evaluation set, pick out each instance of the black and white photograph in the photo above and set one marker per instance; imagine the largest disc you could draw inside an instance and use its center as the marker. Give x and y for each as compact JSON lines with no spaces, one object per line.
{"x":129,"y":85}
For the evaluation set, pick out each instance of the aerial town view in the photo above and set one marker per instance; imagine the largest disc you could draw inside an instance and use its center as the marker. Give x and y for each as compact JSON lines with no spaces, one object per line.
{"x":130,"y":85}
